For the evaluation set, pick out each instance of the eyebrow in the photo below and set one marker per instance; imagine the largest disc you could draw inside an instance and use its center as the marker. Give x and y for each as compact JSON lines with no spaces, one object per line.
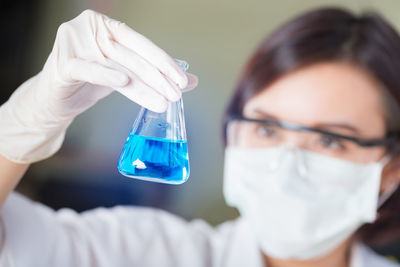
{"x":322,"y":126}
{"x":265,"y":115}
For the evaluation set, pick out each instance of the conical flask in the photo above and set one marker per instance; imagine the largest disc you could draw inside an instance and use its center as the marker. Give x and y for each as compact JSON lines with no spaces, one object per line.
{"x":156,"y":148}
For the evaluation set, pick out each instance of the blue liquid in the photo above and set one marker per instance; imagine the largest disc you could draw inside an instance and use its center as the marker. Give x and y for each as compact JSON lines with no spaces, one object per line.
{"x":155,"y":159}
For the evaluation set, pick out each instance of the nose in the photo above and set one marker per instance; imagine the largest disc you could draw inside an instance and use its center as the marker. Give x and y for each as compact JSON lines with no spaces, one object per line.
{"x":295,"y":139}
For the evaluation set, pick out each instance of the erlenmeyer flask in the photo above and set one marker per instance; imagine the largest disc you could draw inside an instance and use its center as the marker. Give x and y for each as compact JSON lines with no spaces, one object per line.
{"x":156,"y":148}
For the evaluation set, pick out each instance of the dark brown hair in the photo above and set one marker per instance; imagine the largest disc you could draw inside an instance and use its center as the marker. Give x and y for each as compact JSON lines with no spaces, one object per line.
{"x":332,"y":34}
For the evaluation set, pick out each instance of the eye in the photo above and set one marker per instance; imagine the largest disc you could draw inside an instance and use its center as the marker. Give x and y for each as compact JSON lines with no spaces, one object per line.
{"x":331,"y":142}
{"x":266,"y":131}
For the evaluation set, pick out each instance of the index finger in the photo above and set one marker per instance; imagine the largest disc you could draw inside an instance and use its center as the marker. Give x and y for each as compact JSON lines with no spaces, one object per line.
{"x":131,"y":39}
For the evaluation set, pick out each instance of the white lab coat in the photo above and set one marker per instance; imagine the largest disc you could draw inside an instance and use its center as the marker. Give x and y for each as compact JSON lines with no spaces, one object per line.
{"x":35,"y":235}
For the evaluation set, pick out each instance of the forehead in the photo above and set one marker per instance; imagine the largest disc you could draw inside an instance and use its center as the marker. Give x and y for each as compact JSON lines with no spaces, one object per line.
{"x":324,"y":93}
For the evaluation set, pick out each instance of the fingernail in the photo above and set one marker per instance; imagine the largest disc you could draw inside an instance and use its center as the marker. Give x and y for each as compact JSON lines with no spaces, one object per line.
{"x":193,"y":81}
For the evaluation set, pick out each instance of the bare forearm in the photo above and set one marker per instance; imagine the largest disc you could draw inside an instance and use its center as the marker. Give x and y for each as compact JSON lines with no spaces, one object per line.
{"x":10,"y":174}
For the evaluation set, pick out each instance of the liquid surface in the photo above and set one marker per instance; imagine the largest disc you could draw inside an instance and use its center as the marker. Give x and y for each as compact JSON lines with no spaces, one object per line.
{"x":155,"y":159}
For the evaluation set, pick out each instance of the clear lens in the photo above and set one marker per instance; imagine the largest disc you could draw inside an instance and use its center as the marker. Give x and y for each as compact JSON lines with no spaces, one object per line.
{"x":250,"y":134}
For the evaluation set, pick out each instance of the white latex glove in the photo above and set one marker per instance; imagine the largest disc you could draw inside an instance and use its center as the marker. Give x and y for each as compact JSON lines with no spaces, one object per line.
{"x":92,"y":56}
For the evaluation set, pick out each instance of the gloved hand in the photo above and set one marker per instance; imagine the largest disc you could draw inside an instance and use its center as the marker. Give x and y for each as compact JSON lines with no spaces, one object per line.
{"x":92,"y":56}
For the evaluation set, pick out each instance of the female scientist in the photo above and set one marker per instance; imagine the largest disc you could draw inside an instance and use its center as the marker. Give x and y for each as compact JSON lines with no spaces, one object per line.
{"x":312,"y":149}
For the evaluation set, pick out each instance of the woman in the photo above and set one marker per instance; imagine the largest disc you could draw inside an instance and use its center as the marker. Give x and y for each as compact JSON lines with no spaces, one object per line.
{"x":311,"y":158}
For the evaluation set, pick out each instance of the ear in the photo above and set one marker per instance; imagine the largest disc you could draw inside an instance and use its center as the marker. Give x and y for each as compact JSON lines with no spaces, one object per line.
{"x":390,"y":176}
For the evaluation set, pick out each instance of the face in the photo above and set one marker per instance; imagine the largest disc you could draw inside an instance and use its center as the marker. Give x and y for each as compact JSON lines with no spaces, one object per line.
{"x":335,"y":96}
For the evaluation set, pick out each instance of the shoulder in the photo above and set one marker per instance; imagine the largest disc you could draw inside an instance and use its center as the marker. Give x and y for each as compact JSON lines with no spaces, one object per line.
{"x":141,"y":231}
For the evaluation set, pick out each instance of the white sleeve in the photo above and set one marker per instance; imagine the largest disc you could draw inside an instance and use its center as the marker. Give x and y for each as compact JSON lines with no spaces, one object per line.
{"x":35,"y":235}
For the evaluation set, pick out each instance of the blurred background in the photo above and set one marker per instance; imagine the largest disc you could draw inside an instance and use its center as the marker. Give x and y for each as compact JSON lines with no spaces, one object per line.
{"x":214,"y":36}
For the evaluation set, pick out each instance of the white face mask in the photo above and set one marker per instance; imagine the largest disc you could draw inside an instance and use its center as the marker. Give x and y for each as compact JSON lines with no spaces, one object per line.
{"x":300,"y":204}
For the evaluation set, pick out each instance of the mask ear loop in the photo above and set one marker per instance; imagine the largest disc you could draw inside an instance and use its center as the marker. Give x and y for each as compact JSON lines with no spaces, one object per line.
{"x":385,"y":196}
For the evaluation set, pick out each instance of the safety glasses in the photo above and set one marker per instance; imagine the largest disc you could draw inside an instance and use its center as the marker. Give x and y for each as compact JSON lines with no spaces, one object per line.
{"x":255,"y":133}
